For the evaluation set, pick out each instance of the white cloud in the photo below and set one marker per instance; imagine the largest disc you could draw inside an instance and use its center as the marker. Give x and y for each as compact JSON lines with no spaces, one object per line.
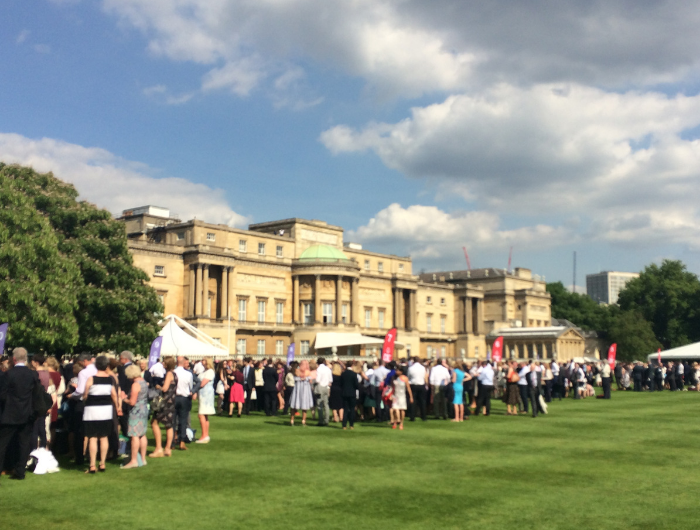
{"x":410,"y":47}
{"x":552,"y":150}
{"x":22,"y":36}
{"x":117,"y":184}
{"x":429,"y":234}
{"x":42,"y":48}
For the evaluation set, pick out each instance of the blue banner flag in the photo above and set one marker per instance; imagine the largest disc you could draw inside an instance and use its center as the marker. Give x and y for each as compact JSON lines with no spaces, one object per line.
{"x":154,"y":355}
{"x":290,"y":354}
{"x":3,"y":336}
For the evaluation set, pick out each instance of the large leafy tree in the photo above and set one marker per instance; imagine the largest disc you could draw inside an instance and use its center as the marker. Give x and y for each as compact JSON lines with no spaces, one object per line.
{"x":116,"y":308}
{"x":667,"y":297}
{"x":38,"y":283}
{"x":633,"y":334}
{"x":577,"y":308}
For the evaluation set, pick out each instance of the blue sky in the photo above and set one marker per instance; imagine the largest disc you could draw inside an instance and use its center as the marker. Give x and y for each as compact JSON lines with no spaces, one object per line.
{"x":417,"y":127}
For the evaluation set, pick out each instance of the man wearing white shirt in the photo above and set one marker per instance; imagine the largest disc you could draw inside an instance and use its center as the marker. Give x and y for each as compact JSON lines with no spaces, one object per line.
{"x":87,"y":361}
{"x":183,"y":403}
{"x":157,"y":372}
{"x":486,"y":388}
{"x":324,"y":380}
{"x":522,"y":386}
{"x":416,"y":378}
{"x":380,"y":373}
{"x":439,"y":377}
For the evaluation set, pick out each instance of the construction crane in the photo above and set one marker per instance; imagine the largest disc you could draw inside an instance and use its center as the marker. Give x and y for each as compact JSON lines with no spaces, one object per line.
{"x":469,"y":265}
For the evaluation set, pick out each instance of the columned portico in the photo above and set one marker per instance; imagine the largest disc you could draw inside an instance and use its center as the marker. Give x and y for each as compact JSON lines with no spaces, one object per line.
{"x":317,"y":299}
{"x":338,"y":299}
{"x":198,"y":290}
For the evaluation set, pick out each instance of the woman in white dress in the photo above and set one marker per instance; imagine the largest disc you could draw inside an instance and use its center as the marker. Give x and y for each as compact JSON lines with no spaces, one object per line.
{"x":206,"y":398}
{"x":302,"y":398}
{"x":399,"y":404}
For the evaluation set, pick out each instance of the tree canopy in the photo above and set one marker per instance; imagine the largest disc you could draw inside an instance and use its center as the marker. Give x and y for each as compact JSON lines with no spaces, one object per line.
{"x":658,"y":309}
{"x":667,"y":297}
{"x":69,"y":281}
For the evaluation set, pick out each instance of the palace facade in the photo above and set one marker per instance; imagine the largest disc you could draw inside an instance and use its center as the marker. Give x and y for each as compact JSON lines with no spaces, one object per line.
{"x":258,"y":290}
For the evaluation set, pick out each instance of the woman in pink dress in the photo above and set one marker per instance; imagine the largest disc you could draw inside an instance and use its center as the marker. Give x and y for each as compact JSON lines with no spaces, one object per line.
{"x":237,"y":394}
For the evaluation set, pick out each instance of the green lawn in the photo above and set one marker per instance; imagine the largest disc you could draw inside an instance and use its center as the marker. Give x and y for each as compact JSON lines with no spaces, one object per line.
{"x":631,"y":462}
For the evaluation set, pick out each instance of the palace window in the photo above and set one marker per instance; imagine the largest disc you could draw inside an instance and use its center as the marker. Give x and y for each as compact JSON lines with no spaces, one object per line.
{"x":159,"y":270}
{"x":429,"y":323}
{"x":366,"y":264}
{"x":443,"y":323}
{"x":442,"y":301}
{"x":368,"y":318}
{"x":242,"y":245}
{"x":400,"y":267}
{"x":442,"y":351}
{"x":280,"y":251}
{"x":429,"y":351}
{"x":261,"y":347}
{"x":279,"y":318}
{"x":180,"y":236}
{"x":304,"y":347}
{"x":242,"y":306}
{"x":261,"y":249}
{"x":211,"y":236}
{"x":345,"y":314}
{"x":380,"y":266}
{"x":381,"y":318}
{"x":428,"y":299}
{"x":327,"y":313}
{"x":240,"y":347}
{"x":279,"y":348}
{"x":308,"y":313}
{"x":261,"y":311}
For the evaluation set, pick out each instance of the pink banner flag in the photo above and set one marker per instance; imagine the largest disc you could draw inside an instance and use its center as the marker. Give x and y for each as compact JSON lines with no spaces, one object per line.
{"x":388,"y":348}
{"x":612,"y":352}
{"x":497,"y":350}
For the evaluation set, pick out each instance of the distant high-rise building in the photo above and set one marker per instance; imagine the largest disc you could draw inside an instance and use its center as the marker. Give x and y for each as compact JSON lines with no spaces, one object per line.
{"x":605,"y":287}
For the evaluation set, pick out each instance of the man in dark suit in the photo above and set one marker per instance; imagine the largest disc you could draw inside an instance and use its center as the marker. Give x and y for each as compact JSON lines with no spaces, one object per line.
{"x":17,"y":411}
{"x":637,"y":373}
{"x":248,"y":383}
{"x":125,"y":359}
{"x":270,"y":379}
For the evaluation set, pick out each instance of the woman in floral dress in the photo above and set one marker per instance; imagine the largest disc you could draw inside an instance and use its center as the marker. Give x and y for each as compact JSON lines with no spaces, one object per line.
{"x":138,"y":416}
{"x":166,"y":411}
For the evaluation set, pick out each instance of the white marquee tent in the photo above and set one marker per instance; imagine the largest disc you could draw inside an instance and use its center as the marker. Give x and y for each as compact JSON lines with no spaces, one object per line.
{"x":687,"y":352}
{"x":176,"y":341}
{"x":331,"y":339}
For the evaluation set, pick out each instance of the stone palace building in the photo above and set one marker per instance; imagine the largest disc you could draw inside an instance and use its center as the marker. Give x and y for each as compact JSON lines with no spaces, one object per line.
{"x":258,"y":290}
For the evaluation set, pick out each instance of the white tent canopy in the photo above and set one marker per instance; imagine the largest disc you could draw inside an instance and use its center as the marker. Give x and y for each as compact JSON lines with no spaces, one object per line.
{"x":689,"y":351}
{"x":331,"y":339}
{"x":177,"y":341}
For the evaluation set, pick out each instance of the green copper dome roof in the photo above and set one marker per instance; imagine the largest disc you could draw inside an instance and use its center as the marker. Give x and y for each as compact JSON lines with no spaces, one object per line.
{"x":323,"y":252}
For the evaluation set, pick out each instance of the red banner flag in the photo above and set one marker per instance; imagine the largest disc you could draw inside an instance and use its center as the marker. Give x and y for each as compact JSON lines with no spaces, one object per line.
{"x":612,"y":352}
{"x":497,"y":350}
{"x":388,"y":348}
{"x":658,"y":356}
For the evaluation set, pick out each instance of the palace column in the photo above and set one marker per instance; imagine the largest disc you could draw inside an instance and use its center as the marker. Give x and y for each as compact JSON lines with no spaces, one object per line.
{"x":224,"y":292}
{"x":317,"y":300}
{"x":205,"y":290}
{"x":338,"y":299}
{"x":198,"y":290}
{"x":469,"y":315}
{"x":190,"y":301}
{"x":295,"y":300}
{"x":412,"y":309}
{"x":355,"y":300}
{"x":480,"y":317}
{"x":397,"y":308}
{"x":229,"y":294}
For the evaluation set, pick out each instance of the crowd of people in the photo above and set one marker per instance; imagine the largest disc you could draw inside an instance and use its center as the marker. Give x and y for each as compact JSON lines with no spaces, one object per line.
{"x":96,"y":402}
